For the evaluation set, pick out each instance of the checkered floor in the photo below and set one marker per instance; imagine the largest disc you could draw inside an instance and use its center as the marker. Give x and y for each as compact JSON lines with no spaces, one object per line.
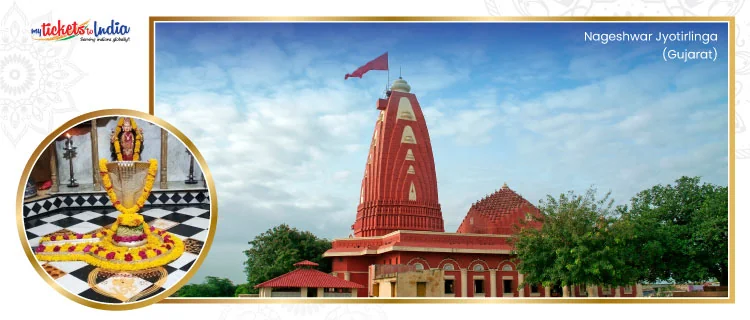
{"x":188,"y":222}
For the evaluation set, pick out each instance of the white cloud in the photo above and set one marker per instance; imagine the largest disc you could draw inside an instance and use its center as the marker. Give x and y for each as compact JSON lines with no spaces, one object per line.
{"x":285,"y":137}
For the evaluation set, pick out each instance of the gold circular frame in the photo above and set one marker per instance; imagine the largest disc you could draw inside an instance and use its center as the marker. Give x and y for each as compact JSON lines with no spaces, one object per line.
{"x":108,"y":113}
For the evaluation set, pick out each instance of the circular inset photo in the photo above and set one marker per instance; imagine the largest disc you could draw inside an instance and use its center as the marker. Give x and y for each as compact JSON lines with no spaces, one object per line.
{"x":116,"y":209}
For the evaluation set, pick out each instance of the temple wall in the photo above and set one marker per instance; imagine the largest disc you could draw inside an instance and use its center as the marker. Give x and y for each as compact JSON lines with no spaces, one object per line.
{"x":406,"y":285}
{"x":82,"y":169}
{"x":178,"y":161}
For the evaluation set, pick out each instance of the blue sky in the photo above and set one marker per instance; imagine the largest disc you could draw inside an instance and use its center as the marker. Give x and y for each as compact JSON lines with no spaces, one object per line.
{"x":530,"y":104}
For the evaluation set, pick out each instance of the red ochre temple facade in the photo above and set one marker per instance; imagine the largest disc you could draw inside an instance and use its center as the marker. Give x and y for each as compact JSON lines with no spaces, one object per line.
{"x":399,"y":239}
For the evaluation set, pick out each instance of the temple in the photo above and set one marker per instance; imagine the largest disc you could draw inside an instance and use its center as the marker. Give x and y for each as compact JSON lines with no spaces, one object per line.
{"x":399,"y":189}
{"x":400,"y":247}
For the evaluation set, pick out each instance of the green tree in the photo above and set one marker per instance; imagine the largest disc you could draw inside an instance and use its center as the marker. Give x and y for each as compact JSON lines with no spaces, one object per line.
{"x":681,"y":231}
{"x":576,"y":244}
{"x":244,"y":289}
{"x":275,"y":251}
{"x":211,"y":287}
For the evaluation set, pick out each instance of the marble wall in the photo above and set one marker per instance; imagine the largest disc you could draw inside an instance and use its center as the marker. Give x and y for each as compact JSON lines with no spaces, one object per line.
{"x":82,"y":169}
{"x":178,"y":161}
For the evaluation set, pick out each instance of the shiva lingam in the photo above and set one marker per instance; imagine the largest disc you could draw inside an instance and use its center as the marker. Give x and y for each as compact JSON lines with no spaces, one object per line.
{"x":128,"y":186}
{"x":129,"y":244}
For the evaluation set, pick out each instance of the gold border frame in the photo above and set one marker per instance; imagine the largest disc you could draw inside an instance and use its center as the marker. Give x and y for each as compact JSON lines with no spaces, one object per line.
{"x":108,"y":113}
{"x":730,"y":20}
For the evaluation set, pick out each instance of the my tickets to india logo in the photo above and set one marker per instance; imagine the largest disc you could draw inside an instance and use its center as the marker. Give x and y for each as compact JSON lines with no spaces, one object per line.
{"x":113,"y":31}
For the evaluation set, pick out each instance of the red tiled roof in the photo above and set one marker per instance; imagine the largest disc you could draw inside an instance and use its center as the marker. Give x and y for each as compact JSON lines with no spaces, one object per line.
{"x":308,"y":278}
{"x":497,"y":213}
{"x":305,"y":263}
{"x":503,"y":201}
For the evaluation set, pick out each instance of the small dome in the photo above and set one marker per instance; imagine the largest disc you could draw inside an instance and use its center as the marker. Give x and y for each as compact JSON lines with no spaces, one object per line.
{"x":400,"y":85}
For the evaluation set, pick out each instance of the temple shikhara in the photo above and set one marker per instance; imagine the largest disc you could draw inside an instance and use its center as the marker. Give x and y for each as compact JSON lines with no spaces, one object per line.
{"x":400,"y":247}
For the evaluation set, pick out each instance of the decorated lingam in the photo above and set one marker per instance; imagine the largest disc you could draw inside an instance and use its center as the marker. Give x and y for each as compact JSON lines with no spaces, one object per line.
{"x":129,"y":243}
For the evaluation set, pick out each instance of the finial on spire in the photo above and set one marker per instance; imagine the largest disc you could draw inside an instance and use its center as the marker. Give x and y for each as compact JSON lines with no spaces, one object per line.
{"x":399,"y":72}
{"x":400,"y":85}
{"x":505,"y":185}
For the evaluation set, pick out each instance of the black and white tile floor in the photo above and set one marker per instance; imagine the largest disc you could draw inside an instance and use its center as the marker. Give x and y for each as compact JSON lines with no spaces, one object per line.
{"x":188,"y":222}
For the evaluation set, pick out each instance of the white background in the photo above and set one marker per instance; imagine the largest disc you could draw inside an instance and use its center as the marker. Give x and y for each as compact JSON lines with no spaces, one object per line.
{"x":115,"y":75}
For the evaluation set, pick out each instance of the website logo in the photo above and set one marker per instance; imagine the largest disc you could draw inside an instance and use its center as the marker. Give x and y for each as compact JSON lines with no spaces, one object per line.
{"x":112,"y":31}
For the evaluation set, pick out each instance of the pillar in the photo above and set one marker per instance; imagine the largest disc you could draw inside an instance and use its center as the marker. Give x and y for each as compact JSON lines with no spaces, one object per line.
{"x":639,"y":290}
{"x":321,"y":292}
{"x":617,"y":292}
{"x":95,"y":156}
{"x":566,"y":291}
{"x":593,"y":291}
{"x":265,"y":292}
{"x":493,"y":283}
{"x":53,"y":168}
{"x":163,"y":172}
{"x":464,"y":280}
{"x":354,"y":293}
{"x":521,"y":285}
{"x":347,"y":275}
{"x":303,"y":292}
{"x":547,"y":292}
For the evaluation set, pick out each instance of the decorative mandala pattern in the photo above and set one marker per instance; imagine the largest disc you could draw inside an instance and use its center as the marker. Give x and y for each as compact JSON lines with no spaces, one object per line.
{"x":700,"y":8}
{"x":739,"y":125}
{"x":357,"y":312}
{"x":553,"y":8}
{"x":304,"y":309}
{"x":35,"y":77}
{"x":249,"y":312}
{"x":618,"y":8}
{"x":16,"y":74}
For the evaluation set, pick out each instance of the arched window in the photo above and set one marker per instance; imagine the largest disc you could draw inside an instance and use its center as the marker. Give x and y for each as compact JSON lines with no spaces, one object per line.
{"x":409,"y":155}
{"x":478,"y":267}
{"x":405,"y":110}
{"x":408,"y":135}
{"x":507,"y":267}
{"x":419,"y":266}
{"x":448,"y":267}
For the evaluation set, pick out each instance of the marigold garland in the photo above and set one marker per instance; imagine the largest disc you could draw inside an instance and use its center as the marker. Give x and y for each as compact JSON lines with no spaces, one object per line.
{"x":75,"y":236}
{"x":99,"y":248}
{"x":161,"y":248}
{"x":138,"y":139}
{"x":139,"y":203}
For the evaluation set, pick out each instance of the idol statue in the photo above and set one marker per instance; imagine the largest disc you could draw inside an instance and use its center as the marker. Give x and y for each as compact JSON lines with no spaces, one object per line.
{"x":126,"y":140}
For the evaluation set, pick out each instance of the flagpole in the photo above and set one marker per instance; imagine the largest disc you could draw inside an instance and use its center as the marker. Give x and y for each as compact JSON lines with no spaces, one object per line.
{"x":388,"y":80}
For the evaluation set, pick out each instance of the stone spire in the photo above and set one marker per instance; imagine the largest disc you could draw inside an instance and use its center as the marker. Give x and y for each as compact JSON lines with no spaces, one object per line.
{"x":399,"y":190}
